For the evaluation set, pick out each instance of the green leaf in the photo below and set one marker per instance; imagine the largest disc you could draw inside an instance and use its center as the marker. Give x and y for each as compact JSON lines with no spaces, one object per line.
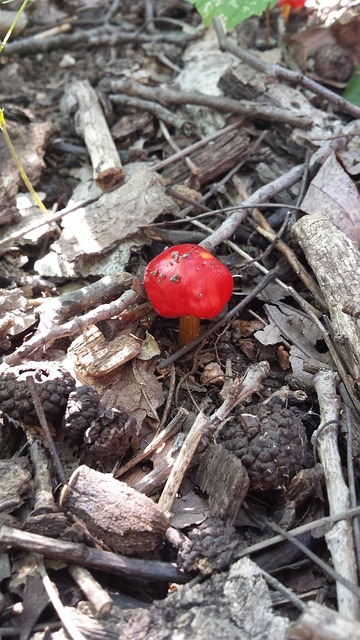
{"x":352,"y":91}
{"x":234,"y":11}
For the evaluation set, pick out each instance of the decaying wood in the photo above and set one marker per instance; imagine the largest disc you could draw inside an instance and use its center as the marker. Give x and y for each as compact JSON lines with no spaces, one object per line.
{"x":124,"y":519}
{"x":335,"y":261}
{"x":235,"y":605}
{"x":96,"y":357}
{"x":321,"y":623}
{"x":82,"y":555}
{"x":43,"y":501}
{"x":340,"y":537}
{"x":223,"y":477}
{"x":214,"y":160}
{"x":91,"y":125}
{"x":15,"y":477}
{"x":103,"y":224}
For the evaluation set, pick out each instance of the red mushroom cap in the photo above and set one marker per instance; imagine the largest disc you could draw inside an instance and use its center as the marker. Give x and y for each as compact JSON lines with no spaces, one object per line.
{"x":294,"y":4}
{"x":187,"y":280}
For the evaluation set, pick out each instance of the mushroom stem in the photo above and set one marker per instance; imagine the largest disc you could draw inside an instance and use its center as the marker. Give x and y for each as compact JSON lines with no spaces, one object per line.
{"x":286,"y":10}
{"x":189,"y":329}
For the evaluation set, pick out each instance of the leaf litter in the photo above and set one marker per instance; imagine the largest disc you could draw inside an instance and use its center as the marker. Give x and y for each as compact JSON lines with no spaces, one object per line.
{"x":244,"y":156}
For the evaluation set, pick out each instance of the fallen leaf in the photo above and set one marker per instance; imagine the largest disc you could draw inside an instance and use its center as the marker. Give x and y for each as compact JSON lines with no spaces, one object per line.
{"x":333,"y":193}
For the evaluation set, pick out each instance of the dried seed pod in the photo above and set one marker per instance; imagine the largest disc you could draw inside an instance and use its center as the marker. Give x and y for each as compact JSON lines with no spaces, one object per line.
{"x":269,"y":440}
{"x":82,"y":409}
{"x":210,"y":547}
{"x":109,"y":437}
{"x":54,"y":384}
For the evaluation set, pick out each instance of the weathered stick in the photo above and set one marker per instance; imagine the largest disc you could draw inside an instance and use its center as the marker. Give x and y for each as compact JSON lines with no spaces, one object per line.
{"x":91,"y":125}
{"x":168,"y":96}
{"x":276,"y":71}
{"x":335,"y":261}
{"x":339,"y":538}
{"x":75,"y":553}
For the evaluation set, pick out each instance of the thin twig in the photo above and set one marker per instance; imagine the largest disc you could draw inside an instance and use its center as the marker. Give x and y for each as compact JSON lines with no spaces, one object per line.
{"x":73,"y":327}
{"x":276,"y":71}
{"x":324,"y":566}
{"x":326,"y":522}
{"x":289,"y":595}
{"x":351,"y":480}
{"x":240,"y":391}
{"x":68,"y":625}
{"x":168,"y":97}
{"x":46,"y":431}
{"x":269,"y":277}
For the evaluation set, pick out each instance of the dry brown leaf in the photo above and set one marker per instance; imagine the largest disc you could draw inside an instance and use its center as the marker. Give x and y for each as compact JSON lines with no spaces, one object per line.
{"x":333,"y":193}
{"x":136,"y":391}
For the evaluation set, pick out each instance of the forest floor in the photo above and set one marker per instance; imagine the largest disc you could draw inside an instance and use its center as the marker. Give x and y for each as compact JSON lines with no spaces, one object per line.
{"x":151,"y":489}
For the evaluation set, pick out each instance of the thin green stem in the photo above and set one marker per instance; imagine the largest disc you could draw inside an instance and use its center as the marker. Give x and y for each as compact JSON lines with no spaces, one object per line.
{"x":12,"y":26}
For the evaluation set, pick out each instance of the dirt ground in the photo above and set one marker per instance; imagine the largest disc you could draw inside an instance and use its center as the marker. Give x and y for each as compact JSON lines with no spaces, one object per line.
{"x":151,"y":485}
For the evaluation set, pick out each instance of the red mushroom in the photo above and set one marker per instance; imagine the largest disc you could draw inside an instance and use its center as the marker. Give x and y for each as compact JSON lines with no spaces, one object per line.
{"x":187,"y":281}
{"x":287,"y":5}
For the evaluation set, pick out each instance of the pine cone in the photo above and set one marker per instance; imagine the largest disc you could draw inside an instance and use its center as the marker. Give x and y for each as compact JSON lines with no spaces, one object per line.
{"x":109,"y":437}
{"x":82,"y":409}
{"x":210,"y":547}
{"x":53,"y":383}
{"x":269,"y":440}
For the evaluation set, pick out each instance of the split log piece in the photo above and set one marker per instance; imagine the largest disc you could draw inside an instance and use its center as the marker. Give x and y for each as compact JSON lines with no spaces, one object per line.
{"x":335,"y":261}
{"x":124,"y":519}
{"x":91,"y":125}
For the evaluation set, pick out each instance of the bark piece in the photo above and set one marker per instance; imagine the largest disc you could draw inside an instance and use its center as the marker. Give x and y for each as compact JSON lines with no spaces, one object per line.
{"x":335,"y":261}
{"x":233,"y":605}
{"x":97,"y":357}
{"x":213,"y":161}
{"x":15,"y":479}
{"x":125,"y":520}
{"x":91,"y":125}
{"x":320,"y":623}
{"x":115,"y":216}
{"x":224,"y":478}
